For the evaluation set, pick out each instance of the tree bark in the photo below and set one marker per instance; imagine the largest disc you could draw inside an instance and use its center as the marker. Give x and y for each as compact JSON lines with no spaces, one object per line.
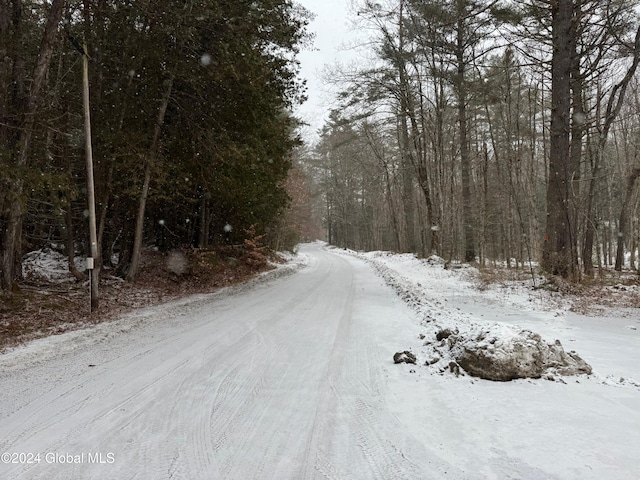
{"x":11,"y":260}
{"x":150,"y":161}
{"x":578,"y":128}
{"x":465,"y":158}
{"x":560,"y":244}
{"x":405,"y":146}
{"x":624,"y":218}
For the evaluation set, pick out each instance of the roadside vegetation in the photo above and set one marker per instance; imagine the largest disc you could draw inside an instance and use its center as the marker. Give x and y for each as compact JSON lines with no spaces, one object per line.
{"x":51,"y":301}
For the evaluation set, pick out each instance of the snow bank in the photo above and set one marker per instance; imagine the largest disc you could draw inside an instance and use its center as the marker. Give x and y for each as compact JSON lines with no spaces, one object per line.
{"x":456,"y":342}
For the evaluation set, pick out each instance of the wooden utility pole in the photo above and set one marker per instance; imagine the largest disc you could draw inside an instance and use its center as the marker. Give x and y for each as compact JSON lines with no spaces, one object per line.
{"x":93,"y":238}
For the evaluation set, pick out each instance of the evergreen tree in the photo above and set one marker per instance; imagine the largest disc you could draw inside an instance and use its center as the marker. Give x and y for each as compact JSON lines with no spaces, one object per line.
{"x":191,"y":115}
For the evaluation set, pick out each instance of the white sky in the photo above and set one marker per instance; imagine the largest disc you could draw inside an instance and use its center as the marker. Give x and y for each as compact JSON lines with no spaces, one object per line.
{"x":333,"y":36}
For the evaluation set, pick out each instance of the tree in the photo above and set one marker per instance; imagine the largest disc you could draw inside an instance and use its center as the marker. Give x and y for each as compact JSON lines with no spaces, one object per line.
{"x":560,"y":247}
{"x":175,"y":162}
{"x":473,"y":125}
{"x":22,"y":122}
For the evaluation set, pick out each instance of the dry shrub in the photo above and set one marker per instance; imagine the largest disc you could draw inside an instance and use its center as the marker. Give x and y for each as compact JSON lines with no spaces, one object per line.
{"x":254,"y":251}
{"x":490,"y":276}
{"x":42,"y":308}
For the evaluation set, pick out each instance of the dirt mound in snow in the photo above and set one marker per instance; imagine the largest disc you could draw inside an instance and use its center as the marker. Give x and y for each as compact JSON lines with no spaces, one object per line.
{"x":404,"y":357}
{"x":501,"y":353}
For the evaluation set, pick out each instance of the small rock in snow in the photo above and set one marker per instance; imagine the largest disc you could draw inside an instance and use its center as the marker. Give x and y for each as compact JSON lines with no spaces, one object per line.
{"x":404,"y":357}
{"x":444,"y":333}
{"x":432,"y":360}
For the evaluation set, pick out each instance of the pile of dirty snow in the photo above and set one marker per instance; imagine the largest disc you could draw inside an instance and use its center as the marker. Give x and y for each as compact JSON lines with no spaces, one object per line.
{"x":454,"y":341}
{"x":502,"y":353}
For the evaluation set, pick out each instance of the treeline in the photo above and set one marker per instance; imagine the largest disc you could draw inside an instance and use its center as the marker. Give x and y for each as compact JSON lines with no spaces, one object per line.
{"x":190,"y":117}
{"x":490,"y":131}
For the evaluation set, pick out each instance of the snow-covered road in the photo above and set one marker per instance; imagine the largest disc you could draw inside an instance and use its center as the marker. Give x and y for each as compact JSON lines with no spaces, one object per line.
{"x":286,"y":381}
{"x":292,"y":378}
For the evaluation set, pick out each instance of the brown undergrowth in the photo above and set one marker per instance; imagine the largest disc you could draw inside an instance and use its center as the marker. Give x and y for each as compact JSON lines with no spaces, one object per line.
{"x":39,"y":308}
{"x":607,"y":290}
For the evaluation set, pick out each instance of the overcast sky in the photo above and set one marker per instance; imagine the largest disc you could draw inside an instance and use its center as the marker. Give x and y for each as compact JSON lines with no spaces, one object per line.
{"x":333,"y":37}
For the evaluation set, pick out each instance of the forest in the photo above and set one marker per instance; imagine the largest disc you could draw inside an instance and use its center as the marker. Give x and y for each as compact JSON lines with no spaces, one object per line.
{"x":489,"y":131}
{"x":189,"y":116}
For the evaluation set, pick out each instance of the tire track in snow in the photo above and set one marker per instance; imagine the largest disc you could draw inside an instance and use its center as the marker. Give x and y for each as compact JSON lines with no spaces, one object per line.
{"x":76,"y":420}
{"x":284,"y":381}
{"x":237,"y":392}
{"x":323,"y":426}
{"x":293,"y":338}
{"x":244,"y":386}
{"x":384,"y":450}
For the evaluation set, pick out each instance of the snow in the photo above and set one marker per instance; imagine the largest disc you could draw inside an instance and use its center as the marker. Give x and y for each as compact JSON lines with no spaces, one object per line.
{"x":450,"y":299}
{"x":50,"y":265}
{"x":576,"y":427}
{"x":292,"y":376}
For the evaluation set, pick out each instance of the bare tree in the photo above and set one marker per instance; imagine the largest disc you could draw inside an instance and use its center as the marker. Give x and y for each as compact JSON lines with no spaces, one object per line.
{"x":614,"y":105}
{"x":150,"y":161}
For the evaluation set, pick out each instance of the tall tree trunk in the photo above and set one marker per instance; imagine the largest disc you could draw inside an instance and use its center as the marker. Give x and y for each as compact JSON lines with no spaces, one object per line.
{"x":559,"y":248}
{"x":407,"y":181}
{"x":590,"y":211}
{"x":614,"y":105}
{"x":438,"y":152}
{"x":624,"y":218}
{"x":406,"y":153}
{"x":13,"y":108}
{"x":578,"y":128}
{"x":11,"y":260}
{"x":418,"y":157}
{"x":150,"y":161}
{"x":105,"y":181}
{"x":465,"y":158}
{"x":379,"y":154}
